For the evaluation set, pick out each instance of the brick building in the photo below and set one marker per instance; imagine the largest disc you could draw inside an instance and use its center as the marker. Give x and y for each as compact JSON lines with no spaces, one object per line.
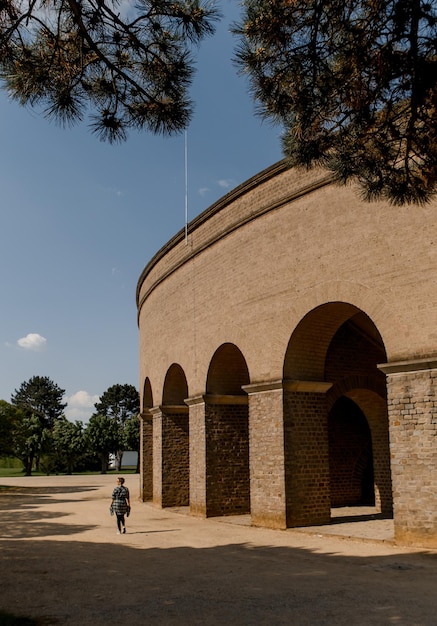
{"x":288,"y":358}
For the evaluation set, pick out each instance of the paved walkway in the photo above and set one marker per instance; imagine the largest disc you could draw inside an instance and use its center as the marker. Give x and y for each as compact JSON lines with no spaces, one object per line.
{"x":359,"y":523}
{"x":62,"y":562}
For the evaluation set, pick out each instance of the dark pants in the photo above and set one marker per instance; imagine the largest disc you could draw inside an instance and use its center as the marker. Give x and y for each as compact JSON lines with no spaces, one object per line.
{"x":120,"y":520}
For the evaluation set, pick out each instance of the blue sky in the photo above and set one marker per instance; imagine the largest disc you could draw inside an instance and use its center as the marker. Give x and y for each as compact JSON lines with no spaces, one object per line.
{"x":80,"y":220}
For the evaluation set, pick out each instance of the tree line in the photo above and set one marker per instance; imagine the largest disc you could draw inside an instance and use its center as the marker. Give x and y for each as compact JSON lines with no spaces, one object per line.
{"x":34,"y":429}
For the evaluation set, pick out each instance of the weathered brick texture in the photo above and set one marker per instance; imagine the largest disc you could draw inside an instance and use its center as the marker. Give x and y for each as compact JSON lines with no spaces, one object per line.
{"x":306,"y":458}
{"x":171,"y":456}
{"x":157,"y":456}
{"x":197,"y":428}
{"x":146,"y":458}
{"x":266,"y":446}
{"x":175,"y":458}
{"x":412,"y":407}
{"x":227,"y":459}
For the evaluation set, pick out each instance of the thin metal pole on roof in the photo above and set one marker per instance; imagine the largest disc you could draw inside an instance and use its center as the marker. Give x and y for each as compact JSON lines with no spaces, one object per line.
{"x":186,"y":188}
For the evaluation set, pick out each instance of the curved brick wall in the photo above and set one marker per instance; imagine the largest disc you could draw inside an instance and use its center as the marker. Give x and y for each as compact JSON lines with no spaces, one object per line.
{"x":305,"y":280}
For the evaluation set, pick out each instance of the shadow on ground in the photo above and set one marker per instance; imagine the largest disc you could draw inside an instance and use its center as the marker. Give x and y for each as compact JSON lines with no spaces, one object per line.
{"x":89,"y":583}
{"x":52,"y":580}
{"x":358,"y":517}
{"x":12,"y":489}
{"x":22,"y":517}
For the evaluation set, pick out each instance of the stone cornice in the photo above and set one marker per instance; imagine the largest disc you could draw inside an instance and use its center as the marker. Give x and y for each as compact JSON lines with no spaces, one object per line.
{"x":173,"y":409}
{"x":302,"y":386}
{"x":271,"y":385}
{"x":169,"y":409}
{"x":412,"y":365}
{"x":307,"y":386}
{"x":216,"y":399}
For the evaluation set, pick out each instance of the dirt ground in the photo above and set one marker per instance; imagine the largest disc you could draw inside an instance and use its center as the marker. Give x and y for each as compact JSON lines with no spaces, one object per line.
{"x":63,"y":563}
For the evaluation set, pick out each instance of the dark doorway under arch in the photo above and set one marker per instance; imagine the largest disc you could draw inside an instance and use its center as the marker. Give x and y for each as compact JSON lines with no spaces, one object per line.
{"x":350,"y":455}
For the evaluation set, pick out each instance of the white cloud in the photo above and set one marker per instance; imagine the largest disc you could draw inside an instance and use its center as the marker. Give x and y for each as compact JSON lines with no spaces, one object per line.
{"x":226,"y":184}
{"x":222,"y":182}
{"x":112,"y":191}
{"x":80,"y":406}
{"x":33,"y":341}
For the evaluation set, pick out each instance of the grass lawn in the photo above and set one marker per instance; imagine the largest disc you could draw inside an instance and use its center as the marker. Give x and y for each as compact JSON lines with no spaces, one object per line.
{"x":12,"y":472}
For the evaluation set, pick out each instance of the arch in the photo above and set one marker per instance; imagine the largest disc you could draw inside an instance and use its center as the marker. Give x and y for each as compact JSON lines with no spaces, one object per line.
{"x":175,"y":390}
{"x":171,"y":426}
{"x":227,"y":434}
{"x":227,"y":371}
{"x":351,"y":364}
{"x":147,"y":401}
{"x":334,"y":391}
{"x":307,"y":350}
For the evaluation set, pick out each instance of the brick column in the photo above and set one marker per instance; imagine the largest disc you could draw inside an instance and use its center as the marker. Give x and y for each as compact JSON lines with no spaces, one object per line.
{"x":219,"y":456}
{"x":171,"y":456}
{"x":307,"y":453}
{"x":266,"y":449}
{"x":175,"y":456}
{"x":197,"y":455}
{"x":156,"y":413}
{"x":412,"y":411}
{"x":227,"y":455}
{"x":146,"y":457}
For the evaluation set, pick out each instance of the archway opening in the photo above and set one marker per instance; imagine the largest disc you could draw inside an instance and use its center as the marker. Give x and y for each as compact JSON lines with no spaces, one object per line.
{"x":335,"y":415}
{"x":175,"y":390}
{"x":146,"y":443}
{"x":227,"y":434}
{"x":227,"y":372}
{"x":172,"y":429}
{"x":147,"y":402}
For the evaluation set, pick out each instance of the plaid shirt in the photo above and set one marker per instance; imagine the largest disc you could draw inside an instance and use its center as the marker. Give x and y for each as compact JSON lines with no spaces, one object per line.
{"x":120,"y":496}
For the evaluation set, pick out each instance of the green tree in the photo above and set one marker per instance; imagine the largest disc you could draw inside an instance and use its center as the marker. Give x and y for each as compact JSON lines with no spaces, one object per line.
{"x":67,"y":443}
{"x":131,"y":64}
{"x":21,"y":435}
{"x":8,"y":416}
{"x":103,"y":437}
{"x":29,"y":439}
{"x":40,"y":403}
{"x":120,"y":403}
{"x":42,"y":397}
{"x":353,"y":82}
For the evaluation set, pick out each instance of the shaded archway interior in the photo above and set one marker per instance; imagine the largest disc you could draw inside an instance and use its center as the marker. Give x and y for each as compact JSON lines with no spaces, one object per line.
{"x":336,"y":399}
